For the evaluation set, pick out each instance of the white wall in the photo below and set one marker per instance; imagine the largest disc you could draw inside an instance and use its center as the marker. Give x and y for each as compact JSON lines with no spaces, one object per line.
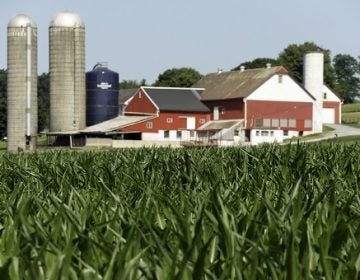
{"x":287,"y":90}
{"x":277,"y":136}
{"x":330,"y":95}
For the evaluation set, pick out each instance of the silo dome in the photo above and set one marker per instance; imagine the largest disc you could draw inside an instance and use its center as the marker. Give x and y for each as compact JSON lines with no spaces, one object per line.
{"x":21,"y":20}
{"x":67,"y":19}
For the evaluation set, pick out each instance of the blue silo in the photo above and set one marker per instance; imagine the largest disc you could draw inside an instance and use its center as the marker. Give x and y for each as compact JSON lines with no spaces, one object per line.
{"x":102,"y":94}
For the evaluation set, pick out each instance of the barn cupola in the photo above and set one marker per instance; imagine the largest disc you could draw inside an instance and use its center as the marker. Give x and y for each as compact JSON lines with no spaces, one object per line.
{"x":313,"y":77}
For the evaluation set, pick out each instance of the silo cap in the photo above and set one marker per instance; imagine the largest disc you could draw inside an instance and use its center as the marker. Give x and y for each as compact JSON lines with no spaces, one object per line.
{"x":67,"y":19}
{"x":21,"y":20}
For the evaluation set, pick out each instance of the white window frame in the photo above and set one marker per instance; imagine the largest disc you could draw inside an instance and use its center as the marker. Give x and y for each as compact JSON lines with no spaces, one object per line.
{"x":166,"y":134}
{"x":149,"y":125}
{"x":169,"y":120}
{"x":275,"y":122}
{"x":283,"y":122}
{"x":202,"y":121}
{"x":308,"y":123}
{"x":267,"y":123}
{"x":292,"y":123}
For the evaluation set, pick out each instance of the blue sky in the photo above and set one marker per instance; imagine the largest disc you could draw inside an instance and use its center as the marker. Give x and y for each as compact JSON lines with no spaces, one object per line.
{"x":142,"y":38}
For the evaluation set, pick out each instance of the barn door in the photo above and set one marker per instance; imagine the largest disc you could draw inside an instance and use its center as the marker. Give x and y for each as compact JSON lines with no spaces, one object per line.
{"x":190,"y":123}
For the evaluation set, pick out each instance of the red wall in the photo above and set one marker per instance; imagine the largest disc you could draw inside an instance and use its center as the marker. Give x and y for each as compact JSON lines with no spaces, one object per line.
{"x":300,"y":111}
{"x":160,"y":123}
{"x":141,"y":104}
{"x":336,"y":106}
{"x":233,"y":108}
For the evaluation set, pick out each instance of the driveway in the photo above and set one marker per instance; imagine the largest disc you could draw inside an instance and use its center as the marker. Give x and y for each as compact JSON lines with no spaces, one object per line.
{"x":340,"y":130}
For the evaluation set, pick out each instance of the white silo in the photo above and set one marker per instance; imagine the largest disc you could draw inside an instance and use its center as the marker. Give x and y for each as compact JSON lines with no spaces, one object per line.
{"x":313,"y":75}
{"x":67,"y":72}
{"x":21,"y":83}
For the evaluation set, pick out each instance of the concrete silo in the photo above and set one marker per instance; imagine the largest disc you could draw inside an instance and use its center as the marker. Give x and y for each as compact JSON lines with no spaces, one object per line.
{"x":67,"y":72}
{"x":22,"y":83}
{"x":313,"y":76}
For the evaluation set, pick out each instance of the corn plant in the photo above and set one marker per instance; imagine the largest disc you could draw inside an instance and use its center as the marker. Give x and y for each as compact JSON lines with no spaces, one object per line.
{"x":268,"y":212}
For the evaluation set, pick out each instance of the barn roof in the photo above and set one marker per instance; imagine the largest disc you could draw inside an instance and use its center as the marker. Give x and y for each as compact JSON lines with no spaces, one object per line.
{"x":126,"y":94}
{"x":235,"y":84}
{"x":115,"y":123}
{"x":176,"y":99}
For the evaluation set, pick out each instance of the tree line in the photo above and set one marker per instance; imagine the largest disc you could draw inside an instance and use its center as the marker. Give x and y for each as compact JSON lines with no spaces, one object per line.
{"x":342,"y":74}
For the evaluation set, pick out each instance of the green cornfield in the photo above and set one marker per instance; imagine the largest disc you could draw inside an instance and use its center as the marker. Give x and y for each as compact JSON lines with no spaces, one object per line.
{"x":268,"y":212}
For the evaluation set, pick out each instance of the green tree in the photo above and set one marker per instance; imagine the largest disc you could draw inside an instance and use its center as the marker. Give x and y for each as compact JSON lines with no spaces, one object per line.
{"x":178,"y":77}
{"x":43,"y":101}
{"x":3,"y":94}
{"x":347,"y":82}
{"x":257,"y":63}
{"x":292,"y":59}
{"x":126,"y":84}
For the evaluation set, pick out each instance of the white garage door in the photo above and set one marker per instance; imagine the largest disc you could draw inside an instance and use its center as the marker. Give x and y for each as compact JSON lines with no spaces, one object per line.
{"x":328,"y":115}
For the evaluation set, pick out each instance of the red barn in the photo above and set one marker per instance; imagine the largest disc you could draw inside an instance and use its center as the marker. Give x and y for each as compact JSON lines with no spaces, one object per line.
{"x":177,"y":112}
{"x":267,"y":103}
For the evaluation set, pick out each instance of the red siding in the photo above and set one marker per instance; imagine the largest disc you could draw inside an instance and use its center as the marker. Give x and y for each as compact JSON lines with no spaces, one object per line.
{"x":335,"y":105}
{"x":160,"y":122}
{"x":300,"y":111}
{"x":141,"y":104}
{"x":232,"y":108}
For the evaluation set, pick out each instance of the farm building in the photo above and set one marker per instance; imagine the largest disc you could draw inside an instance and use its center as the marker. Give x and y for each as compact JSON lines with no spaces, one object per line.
{"x":178,"y":113}
{"x":265,"y":105}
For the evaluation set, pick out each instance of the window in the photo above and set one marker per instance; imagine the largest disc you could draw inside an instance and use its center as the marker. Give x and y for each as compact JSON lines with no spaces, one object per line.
{"x":264,"y":133}
{"x":169,"y":120}
{"x":275,"y":122}
{"x":192,"y":133}
{"x":202,"y":121}
{"x":308,"y":124}
{"x":149,"y":125}
{"x":178,"y":134}
{"x":271,"y":133}
{"x":283,"y":122}
{"x":257,"y":122}
{"x":325,"y":95}
{"x":292,"y":123}
{"x":257,"y":133}
{"x":280,"y":78}
{"x":236,"y":132}
{"x":166,"y":133}
{"x":266,"y":122}
{"x":286,"y":133}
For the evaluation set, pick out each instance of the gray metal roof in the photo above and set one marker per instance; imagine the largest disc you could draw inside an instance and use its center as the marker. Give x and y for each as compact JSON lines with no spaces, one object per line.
{"x":221,"y":124}
{"x":115,"y":123}
{"x":177,"y":99}
{"x":235,"y":84}
{"x":126,"y":94}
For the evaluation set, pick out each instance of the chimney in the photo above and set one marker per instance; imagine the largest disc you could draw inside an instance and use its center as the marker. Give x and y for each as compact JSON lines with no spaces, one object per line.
{"x":242,"y":68}
{"x":313,"y":77}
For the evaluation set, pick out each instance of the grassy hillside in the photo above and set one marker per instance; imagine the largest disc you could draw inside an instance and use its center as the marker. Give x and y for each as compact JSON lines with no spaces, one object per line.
{"x":351,"y":114}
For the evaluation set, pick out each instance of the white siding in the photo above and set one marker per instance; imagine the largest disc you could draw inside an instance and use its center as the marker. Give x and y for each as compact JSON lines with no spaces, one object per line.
{"x":330,"y":95}
{"x":287,"y":90}
{"x":257,"y":136}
